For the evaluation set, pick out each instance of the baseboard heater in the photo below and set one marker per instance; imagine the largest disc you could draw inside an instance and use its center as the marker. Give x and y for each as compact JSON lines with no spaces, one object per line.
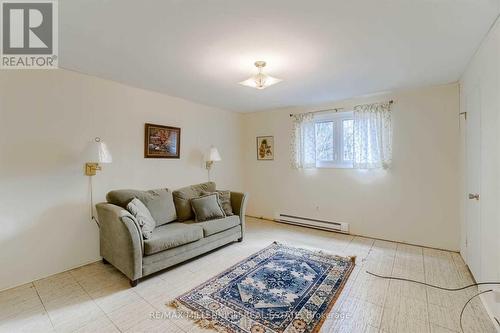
{"x":313,"y":223}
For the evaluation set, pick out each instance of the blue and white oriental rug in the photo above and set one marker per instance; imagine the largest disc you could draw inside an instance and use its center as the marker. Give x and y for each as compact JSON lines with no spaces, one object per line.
{"x":278,"y":289}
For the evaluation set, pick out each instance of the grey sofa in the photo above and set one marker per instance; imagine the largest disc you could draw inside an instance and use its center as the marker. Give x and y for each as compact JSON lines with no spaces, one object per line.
{"x":176,"y":237}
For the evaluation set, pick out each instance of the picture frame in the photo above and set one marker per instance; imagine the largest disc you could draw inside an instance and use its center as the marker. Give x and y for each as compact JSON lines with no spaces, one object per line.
{"x":265,"y":148}
{"x":162,"y":141}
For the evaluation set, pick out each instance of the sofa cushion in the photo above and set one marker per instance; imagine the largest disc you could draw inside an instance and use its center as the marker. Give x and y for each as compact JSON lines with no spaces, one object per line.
{"x":224,"y":200}
{"x":159,"y":202}
{"x":143,"y":217}
{"x":207,"y":207}
{"x":215,"y":226}
{"x":183,"y":196}
{"x":172,"y":235}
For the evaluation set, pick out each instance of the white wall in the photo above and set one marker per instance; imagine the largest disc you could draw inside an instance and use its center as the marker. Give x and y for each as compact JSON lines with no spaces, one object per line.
{"x":416,"y":201}
{"x":483,"y":73}
{"x":46,"y":119}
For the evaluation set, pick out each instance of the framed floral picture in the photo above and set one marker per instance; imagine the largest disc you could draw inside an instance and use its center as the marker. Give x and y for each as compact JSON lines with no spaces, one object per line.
{"x":162,"y":141}
{"x":265,"y":148}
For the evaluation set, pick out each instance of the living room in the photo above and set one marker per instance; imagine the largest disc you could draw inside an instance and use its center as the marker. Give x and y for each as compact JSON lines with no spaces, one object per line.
{"x":279,"y":166}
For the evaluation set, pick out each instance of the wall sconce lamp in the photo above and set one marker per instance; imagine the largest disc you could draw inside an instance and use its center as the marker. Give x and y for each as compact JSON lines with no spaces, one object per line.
{"x":96,"y":152}
{"x":212,"y":157}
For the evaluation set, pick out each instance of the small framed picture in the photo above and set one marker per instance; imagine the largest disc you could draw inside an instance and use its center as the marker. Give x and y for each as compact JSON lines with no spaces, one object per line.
{"x":265,"y":148}
{"x":162,"y":141}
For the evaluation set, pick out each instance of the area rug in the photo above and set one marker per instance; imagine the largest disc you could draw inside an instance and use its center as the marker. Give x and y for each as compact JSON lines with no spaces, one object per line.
{"x":278,"y":289}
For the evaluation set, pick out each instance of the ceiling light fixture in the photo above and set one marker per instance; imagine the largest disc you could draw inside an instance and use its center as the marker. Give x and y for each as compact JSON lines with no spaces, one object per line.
{"x":260,"y":80}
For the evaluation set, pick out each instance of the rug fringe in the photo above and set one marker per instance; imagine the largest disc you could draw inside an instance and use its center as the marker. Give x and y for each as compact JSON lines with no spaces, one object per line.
{"x":173,"y":304}
{"x":320,"y":251}
{"x":209,"y":324}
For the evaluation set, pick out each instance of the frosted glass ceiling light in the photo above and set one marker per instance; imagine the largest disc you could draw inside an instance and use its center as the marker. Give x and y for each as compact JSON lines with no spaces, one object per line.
{"x":260,"y":80}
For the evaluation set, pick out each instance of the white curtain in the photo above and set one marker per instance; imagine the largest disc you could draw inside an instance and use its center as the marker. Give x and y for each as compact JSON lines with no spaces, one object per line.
{"x":303,"y":143}
{"x":372,"y":136}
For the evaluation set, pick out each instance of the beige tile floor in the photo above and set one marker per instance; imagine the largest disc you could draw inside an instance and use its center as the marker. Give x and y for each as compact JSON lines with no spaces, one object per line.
{"x":97,"y":298}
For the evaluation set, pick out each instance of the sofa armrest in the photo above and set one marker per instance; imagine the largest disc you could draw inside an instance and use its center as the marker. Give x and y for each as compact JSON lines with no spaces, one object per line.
{"x":120,"y":239}
{"x":239,"y":205}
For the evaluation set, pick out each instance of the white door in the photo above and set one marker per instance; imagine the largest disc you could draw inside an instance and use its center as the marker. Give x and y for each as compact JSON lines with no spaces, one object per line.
{"x":473,"y":181}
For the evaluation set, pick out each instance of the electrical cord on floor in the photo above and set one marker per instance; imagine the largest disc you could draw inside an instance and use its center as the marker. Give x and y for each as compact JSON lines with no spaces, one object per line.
{"x":434,"y":286}
{"x":465,"y":305}
{"x":443,"y":288}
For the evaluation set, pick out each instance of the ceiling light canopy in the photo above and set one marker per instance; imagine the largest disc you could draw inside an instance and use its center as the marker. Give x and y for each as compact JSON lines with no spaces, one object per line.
{"x":260,"y":80}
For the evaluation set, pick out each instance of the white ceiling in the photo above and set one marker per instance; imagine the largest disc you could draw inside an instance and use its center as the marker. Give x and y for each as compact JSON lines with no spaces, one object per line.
{"x":324,"y":50}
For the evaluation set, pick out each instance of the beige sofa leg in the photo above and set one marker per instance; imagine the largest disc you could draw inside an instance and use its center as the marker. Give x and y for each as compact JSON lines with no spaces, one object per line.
{"x":105,"y":262}
{"x":133,"y":283}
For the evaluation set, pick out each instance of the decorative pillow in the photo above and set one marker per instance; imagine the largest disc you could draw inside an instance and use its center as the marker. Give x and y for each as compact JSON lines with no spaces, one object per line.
{"x":207,"y":208}
{"x":143,"y":217}
{"x":183,"y":196}
{"x":159,"y":202}
{"x":224,"y":198}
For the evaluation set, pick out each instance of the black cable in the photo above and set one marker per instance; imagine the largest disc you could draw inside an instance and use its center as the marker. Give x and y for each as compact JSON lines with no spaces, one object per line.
{"x":434,"y":286}
{"x":465,"y":305}
{"x":443,"y":288}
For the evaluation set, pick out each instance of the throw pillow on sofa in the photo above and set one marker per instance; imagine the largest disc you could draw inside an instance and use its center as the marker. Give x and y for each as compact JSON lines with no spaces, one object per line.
{"x":224,"y":200}
{"x":183,"y":196}
{"x":143,"y":217}
{"x":160,"y":202}
{"x":207,"y":208}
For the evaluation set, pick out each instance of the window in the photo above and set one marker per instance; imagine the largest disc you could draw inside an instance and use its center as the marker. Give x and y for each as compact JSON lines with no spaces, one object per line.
{"x":360,"y":139}
{"x":334,"y":140}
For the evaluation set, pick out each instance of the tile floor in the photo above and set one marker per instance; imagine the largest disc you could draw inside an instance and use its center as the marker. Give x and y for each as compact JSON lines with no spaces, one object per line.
{"x":97,"y":298}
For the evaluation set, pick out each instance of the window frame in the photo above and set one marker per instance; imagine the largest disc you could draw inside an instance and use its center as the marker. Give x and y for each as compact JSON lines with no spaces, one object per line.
{"x":338,"y":137}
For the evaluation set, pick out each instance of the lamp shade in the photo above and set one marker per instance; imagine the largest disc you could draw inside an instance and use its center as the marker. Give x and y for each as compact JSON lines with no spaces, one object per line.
{"x":98,"y":152}
{"x":213,"y":155}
